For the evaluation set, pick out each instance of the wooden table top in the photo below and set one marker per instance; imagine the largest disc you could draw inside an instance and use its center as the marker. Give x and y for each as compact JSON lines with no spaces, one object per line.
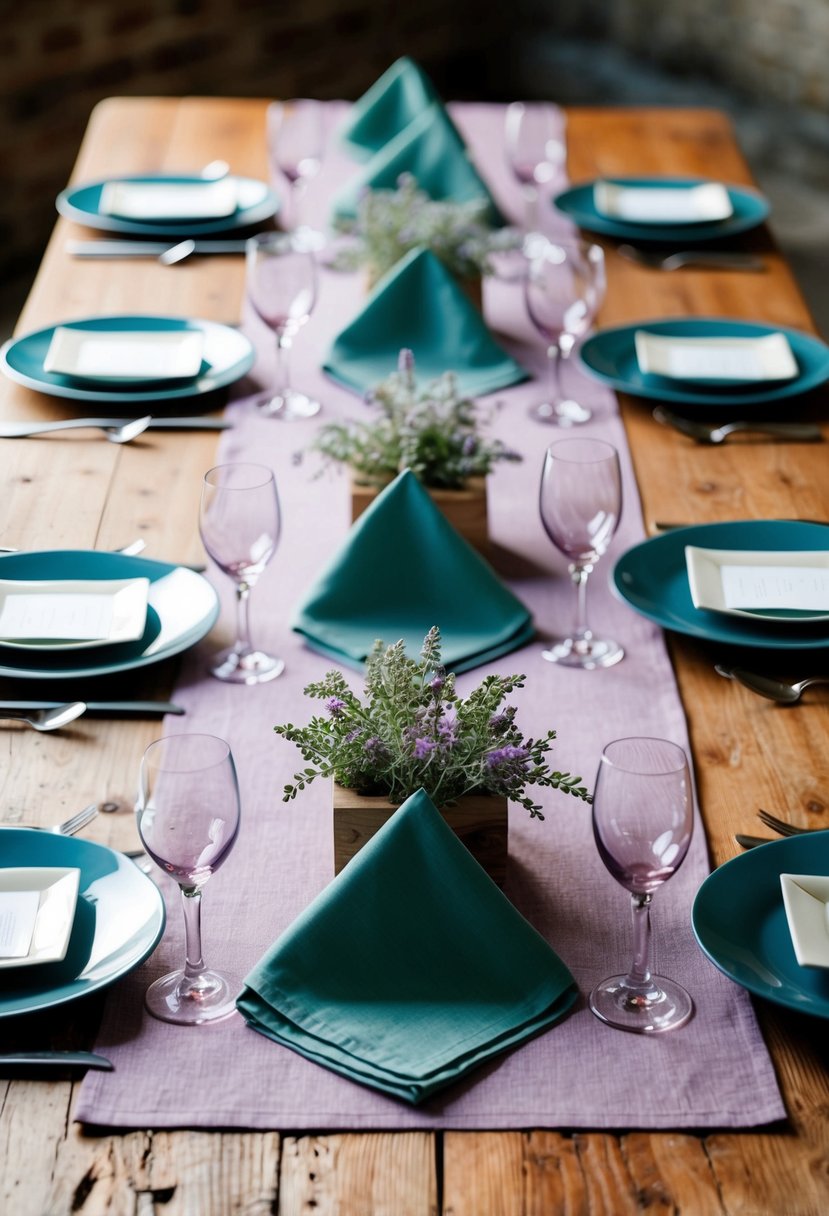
{"x":748,"y":752}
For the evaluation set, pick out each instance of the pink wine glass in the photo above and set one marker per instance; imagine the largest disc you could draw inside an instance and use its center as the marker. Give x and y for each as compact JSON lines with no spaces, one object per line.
{"x":642,"y":822}
{"x":295,"y":136}
{"x":580,"y":504}
{"x":564,"y":289}
{"x":535,"y":150}
{"x":282,"y":287}
{"x":239,"y":523}
{"x":188,"y":819}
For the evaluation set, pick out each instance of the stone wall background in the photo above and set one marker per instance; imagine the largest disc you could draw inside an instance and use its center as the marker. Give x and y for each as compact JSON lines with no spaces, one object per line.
{"x":764,"y":61}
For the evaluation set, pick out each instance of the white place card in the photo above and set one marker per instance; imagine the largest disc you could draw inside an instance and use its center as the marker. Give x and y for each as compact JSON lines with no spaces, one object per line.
{"x":110,"y":354}
{"x":157,"y":201}
{"x":72,"y":613}
{"x":18,"y":913}
{"x":699,"y":204}
{"x":760,"y":584}
{"x":738,"y":360}
{"x":805,"y":588}
{"x":805,"y":899}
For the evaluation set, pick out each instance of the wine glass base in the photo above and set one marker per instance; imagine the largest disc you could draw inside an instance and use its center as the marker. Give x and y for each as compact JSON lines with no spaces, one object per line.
{"x":308,"y":240}
{"x":254,"y":667}
{"x":663,"y":1005}
{"x":189,"y":1003}
{"x":586,"y":653}
{"x":561,"y":413}
{"x":291,"y":406}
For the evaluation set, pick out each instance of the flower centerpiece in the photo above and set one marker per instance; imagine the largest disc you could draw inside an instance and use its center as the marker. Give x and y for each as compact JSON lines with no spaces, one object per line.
{"x":412,"y":730}
{"x":432,"y":430}
{"x":391,"y":222}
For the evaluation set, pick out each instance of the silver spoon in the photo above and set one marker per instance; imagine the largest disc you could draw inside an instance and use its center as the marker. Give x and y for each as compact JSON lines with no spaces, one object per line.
{"x":121,"y":433}
{"x":46,"y":719}
{"x":782,"y":691}
{"x":715,"y":258}
{"x":704,"y":432}
{"x":177,"y":253}
{"x":215,"y":170}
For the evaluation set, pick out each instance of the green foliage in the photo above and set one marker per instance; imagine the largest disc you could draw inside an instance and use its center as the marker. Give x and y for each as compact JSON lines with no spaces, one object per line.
{"x":432,"y":431}
{"x":391,"y":222}
{"x":412,"y":729}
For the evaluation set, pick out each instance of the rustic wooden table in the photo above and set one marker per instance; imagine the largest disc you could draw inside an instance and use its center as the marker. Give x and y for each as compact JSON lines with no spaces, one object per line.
{"x":748,"y":752}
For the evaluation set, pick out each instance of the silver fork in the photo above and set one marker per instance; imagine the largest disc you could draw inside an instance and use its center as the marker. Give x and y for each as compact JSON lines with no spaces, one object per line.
{"x":781,"y":826}
{"x":75,"y":822}
{"x":705,"y":432}
{"x":716,"y":258}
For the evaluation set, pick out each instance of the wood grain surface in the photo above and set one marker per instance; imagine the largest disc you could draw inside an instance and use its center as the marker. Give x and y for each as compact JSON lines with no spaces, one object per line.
{"x":748,"y":752}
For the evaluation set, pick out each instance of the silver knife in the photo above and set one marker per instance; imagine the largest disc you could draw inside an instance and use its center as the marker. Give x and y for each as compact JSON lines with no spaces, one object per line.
{"x":146,"y":708}
{"x":21,"y":430}
{"x":74,"y":1059}
{"x":146,"y":249}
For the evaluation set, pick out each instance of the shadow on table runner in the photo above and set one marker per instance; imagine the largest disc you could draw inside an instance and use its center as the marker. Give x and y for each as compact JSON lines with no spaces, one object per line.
{"x":715,"y":1072}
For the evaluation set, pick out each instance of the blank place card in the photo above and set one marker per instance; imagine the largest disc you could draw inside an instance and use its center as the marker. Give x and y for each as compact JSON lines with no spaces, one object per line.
{"x":37,"y":911}
{"x":736,"y":360}
{"x":805,"y":899}
{"x":646,"y":204}
{"x":805,"y":588}
{"x":18,"y":913}
{"x":122,"y":354}
{"x":170,"y":200}
{"x":72,"y":613}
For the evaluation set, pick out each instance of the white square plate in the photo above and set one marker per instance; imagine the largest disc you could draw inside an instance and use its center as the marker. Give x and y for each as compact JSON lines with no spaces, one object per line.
{"x":170,"y":200}
{"x":125,"y":355}
{"x":71,"y":614}
{"x":716,"y":360}
{"x":699,"y":204}
{"x":57,"y":891}
{"x":806,"y":900}
{"x":709,"y":589}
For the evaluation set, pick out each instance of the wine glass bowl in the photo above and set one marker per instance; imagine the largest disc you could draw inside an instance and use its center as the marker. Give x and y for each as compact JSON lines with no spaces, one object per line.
{"x":282,"y":284}
{"x":295,"y":139}
{"x":240,"y":523}
{"x":580,"y":503}
{"x":187,"y":815}
{"x":642,"y":824}
{"x":535,"y":150}
{"x":563,"y":290}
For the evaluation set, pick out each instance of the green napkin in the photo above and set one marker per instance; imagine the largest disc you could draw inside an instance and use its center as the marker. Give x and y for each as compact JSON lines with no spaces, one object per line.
{"x":403,"y":569}
{"x":410,"y":969}
{"x":418,"y":304}
{"x":401,"y":93}
{"x":431,"y":149}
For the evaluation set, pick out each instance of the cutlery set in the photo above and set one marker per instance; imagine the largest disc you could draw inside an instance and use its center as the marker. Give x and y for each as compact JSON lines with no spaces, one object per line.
{"x":719,"y":259}
{"x":116,"y":430}
{"x":781,"y":826}
{"x":704,"y":432}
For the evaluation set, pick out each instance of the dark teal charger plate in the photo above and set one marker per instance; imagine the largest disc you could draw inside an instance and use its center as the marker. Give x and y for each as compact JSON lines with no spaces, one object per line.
{"x":652,"y":577}
{"x":228,"y":355}
{"x":183,"y":607}
{"x":82,"y":204}
{"x":118,"y":922}
{"x":749,"y":210}
{"x":740,"y":922}
{"x":610,"y":356}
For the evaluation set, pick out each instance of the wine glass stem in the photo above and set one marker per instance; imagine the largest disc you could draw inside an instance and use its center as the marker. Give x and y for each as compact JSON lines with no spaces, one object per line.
{"x":581,"y":630}
{"x":531,"y":208}
{"x":554,"y":357}
{"x":639,"y":975}
{"x":193,"y":961}
{"x":283,"y":365}
{"x":243,"y":643}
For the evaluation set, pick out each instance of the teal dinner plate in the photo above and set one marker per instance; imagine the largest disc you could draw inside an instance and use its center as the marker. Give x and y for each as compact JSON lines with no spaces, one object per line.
{"x":119,"y":920}
{"x":653,"y":579}
{"x":610,"y":356}
{"x":227,"y":356}
{"x":183,"y":607}
{"x":740,"y":922}
{"x":82,"y":204}
{"x":750,"y":209}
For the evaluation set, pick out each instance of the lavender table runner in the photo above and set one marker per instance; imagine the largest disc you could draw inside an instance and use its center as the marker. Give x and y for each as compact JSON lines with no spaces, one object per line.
{"x":715,"y":1072}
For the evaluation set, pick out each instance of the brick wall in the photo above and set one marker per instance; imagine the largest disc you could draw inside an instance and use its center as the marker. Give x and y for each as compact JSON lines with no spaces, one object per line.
{"x":59,"y":57}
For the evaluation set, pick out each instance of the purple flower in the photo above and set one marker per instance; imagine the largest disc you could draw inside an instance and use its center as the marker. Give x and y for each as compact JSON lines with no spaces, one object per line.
{"x":499,"y":722}
{"x":335,"y":706}
{"x":353,"y":734}
{"x":437,"y":683}
{"x":448,"y":732}
{"x":405,"y":361}
{"x":508,"y":760}
{"x":375,"y":748}
{"x":470,"y":446}
{"x":423,"y":747}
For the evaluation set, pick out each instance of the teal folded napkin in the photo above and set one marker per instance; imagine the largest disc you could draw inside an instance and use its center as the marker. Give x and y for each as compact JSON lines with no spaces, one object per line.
{"x":431,"y":149}
{"x":410,"y":969}
{"x":401,"y":93}
{"x":418,"y":304}
{"x":403,"y":569}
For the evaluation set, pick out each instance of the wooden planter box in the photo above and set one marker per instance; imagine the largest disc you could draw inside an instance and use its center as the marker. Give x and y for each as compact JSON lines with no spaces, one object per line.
{"x":465,"y":509}
{"x":478,"y":820}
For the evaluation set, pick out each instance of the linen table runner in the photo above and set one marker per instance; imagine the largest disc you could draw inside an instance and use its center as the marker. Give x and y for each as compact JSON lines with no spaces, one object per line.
{"x":714,"y":1072}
